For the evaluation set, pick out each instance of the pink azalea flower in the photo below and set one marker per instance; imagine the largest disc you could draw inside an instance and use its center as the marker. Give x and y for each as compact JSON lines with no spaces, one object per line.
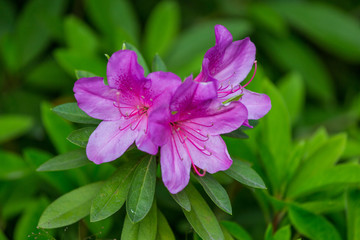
{"x":124,"y":106}
{"x":228,"y":63}
{"x":188,"y":129}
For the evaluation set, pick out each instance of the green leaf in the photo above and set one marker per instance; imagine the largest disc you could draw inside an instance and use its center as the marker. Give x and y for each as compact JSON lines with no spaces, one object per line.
{"x":29,"y":219}
{"x":182,"y":199}
{"x":340,"y":175}
{"x":12,"y":166}
{"x":216,"y":192}
{"x":113,"y":194}
{"x":140,"y":58}
{"x":192,"y":44}
{"x":81,"y":136}
{"x":161,"y":28}
{"x":164,"y":231}
{"x":79,"y":36}
{"x":311,"y":225}
{"x":236,"y":230}
{"x":71,"y":60}
{"x":325,"y":157}
{"x":324,"y":206}
{"x":201,"y":218}
{"x":2,"y":235}
{"x":293,"y":91}
{"x":73,"y":113}
{"x":238,"y":133}
{"x":227,"y":235}
{"x":268,"y":232}
{"x":307,"y":63}
{"x":330,"y":28}
{"x":34,"y":28}
{"x":145,"y":229}
{"x":116,"y":19}
{"x":317,"y":139}
{"x":74,"y":159}
{"x":353,"y":214}
{"x":142,"y":190}
{"x":83,"y":74}
{"x":276,"y":130}
{"x":12,"y":126}
{"x":158,"y":64}
{"x":283,"y":233}
{"x":244,"y":174}
{"x":57,"y":129}
{"x":70,"y":207}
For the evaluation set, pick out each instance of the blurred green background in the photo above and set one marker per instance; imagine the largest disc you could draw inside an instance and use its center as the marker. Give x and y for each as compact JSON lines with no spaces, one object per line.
{"x":310,"y":50}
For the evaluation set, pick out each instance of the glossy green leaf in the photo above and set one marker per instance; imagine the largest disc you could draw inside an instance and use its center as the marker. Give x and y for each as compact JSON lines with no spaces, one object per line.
{"x":283,"y":233}
{"x":57,"y":129}
{"x":293,"y":91}
{"x":70,"y":207}
{"x":227,"y":235}
{"x":328,"y":26}
{"x":83,"y":74}
{"x":236,"y":230}
{"x":158,"y":64}
{"x":353,"y":214}
{"x":79,"y":36}
{"x":161,"y":28}
{"x":12,"y":126}
{"x":325,"y":157}
{"x":142,"y":190}
{"x":113,"y":194}
{"x":192,"y":44}
{"x":201,"y":218}
{"x":164,"y":231}
{"x":116,"y":19}
{"x":145,"y":229}
{"x":324,"y":206}
{"x":140,"y":58}
{"x":307,"y":63}
{"x":276,"y":130}
{"x":73,"y":113}
{"x":182,"y":199}
{"x":244,"y":174}
{"x":74,"y":159}
{"x":216,"y":192}
{"x":340,"y":175}
{"x":12,"y":166}
{"x":311,"y":225}
{"x":29,"y":219}
{"x":80,"y":137}
{"x":71,"y":60}
{"x":315,"y":142}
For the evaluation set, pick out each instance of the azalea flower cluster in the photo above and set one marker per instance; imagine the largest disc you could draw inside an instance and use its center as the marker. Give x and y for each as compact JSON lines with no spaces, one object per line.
{"x":185,"y":119}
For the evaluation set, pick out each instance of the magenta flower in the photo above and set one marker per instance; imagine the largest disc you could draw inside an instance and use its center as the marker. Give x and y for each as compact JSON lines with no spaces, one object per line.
{"x":228,"y":63}
{"x":188,"y":129}
{"x":124,"y":105}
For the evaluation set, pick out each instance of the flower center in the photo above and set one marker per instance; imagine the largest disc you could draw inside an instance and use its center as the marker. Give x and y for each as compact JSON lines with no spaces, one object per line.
{"x":189,"y":134}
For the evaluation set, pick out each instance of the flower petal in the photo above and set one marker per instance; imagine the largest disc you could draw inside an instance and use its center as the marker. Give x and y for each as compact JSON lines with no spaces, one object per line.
{"x":257,"y":104}
{"x":159,"y":125}
{"x":223,"y":37}
{"x":143,"y":141}
{"x":192,"y":98}
{"x":175,"y":171}
{"x":108,"y":142}
{"x":96,"y":99}
{"x":163,"y":85}
{"x":126,"y":74}
{"x":219,"y":119}
{"x":219,"y":160}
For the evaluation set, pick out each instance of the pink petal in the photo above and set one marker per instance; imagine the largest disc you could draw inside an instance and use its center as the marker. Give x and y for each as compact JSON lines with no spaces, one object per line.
{"x":219,"y":160}
{"x":222,"y":36}
{"x":96,"y":99}
{"x":175,"y":171}
{"x":143,"y":141}
{"x":108,"y":142}
{"x":159,"y":125}
{"x":257,"y":104}
{"x":220,"y":119}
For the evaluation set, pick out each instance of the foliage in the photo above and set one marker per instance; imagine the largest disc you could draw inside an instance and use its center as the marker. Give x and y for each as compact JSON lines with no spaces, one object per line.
{"x":296,"y":174}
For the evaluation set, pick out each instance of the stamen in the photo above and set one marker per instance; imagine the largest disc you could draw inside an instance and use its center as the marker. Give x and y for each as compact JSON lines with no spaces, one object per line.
{"x":255,"y":62}
{"x":202,"y":135}
{"x":200,"y":124}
